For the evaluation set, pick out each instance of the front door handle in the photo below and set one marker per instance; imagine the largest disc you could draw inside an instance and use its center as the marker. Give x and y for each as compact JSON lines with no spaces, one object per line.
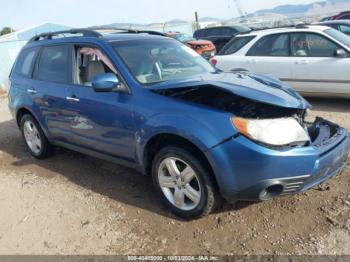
{"x":302,"y":62}
{"x":72,"y":98}
{"x":32,"y":91}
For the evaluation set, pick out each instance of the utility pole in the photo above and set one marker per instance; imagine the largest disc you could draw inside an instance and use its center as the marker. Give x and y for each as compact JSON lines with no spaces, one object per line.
{"x":196,"y":19}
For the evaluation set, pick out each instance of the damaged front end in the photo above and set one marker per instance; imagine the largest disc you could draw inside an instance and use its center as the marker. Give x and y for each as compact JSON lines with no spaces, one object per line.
{"x":274,"y":125}
{"x":275,"y":150}
{"x":249,"y":115}
{"x":217,"y":98}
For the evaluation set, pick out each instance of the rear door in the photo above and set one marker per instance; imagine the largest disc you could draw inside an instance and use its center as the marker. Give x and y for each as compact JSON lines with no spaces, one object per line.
{"x":51,"y":76}
{"x":270,"y":55}
{"x":316,"y":69}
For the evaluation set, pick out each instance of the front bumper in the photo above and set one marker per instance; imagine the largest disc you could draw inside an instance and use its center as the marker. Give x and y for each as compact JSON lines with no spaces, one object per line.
{"x":248,"y":171}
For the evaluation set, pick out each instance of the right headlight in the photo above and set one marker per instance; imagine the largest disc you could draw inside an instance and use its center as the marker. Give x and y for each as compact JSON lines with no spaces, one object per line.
{"x":277,"y":132}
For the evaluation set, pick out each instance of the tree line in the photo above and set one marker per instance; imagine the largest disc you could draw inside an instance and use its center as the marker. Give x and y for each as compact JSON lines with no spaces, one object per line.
{"x":6,"y":30}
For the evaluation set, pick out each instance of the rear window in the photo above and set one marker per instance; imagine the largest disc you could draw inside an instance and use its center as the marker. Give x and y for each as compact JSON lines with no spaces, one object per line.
{"x":200,"y":33}
{"x":25,"y":63}
{"x":235,"y":45}
{"x":54,"y":64}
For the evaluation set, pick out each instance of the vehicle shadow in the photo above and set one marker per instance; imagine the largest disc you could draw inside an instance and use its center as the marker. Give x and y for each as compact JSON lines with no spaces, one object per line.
{"x":116,"y":182}
{"x":330,"y":105}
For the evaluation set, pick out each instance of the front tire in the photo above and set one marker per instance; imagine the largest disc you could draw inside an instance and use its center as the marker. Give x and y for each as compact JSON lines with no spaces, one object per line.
{"x":34,"y":137}
{"x":184,"y":183}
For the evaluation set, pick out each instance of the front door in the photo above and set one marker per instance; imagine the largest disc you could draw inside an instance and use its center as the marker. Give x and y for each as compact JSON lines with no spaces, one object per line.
{"x":316,"y":69}
{"x":103,"y":122}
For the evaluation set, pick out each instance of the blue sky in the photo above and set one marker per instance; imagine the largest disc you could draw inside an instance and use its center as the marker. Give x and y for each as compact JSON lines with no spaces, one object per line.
{"x":79,"y":13}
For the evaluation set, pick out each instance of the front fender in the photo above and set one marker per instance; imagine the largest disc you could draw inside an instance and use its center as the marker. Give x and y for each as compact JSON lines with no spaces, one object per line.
{"x":204,"y":132}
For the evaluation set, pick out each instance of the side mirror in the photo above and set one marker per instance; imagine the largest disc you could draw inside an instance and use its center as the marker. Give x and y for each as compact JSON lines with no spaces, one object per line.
{"x":106,"y":83}
{"x":341,"y":53}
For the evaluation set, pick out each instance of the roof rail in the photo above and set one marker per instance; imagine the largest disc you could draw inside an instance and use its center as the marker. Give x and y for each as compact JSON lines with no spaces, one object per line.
{"x":126,"y":30}
{"x":92,"y":32}
{"x":49,"y":35}
{"x":297,"y":26}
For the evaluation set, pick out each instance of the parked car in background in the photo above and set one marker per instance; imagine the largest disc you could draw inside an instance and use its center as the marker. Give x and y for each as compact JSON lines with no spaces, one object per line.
{"x":341,"y":16}
{"x":152,"y":103}
{"x":203,"y":47}
{"x":314,"y":60}
{"x":340,"y":25}
{"x":220,"y":35}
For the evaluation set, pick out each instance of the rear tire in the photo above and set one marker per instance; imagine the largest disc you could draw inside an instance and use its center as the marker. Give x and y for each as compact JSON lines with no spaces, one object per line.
{"x":184,"y":183}
{"x":34,"y":137}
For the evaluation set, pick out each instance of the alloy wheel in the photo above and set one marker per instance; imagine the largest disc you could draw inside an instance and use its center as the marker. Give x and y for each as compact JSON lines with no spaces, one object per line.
{"x":32,"y":137}
{"x":179,"y":183}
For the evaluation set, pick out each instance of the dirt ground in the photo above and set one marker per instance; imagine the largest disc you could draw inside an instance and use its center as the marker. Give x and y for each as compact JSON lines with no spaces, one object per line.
{"x":75,"y":204}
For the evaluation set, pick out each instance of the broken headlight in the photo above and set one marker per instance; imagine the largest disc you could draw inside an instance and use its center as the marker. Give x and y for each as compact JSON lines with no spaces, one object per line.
{"x":276,"y":132}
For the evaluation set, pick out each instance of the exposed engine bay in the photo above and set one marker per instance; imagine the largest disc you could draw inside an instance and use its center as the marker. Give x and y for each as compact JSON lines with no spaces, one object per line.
{"x":320,"y":131}
{"x":218,"y":98}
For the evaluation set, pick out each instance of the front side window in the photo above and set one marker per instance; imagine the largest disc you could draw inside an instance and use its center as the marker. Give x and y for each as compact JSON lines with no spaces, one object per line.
{"x":272,"y":45}
{"x":152,"y":61}
{"x":90,"y":62}
{"x":312,"y":45}
{"x":26,"y":62}
{"x":54,"y":64}
{"x":235,"y":45}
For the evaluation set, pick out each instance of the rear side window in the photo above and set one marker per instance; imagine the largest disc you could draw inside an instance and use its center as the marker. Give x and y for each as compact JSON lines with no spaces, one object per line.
{"x":54,"y":64}
{"x":235,"y":45}
{"x":25,"y":63}
{"x":272,"y":45}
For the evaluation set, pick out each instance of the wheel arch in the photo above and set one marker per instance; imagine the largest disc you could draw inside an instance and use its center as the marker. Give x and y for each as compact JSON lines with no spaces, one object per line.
{"x":158,"y":141}
{"x":23,"y":111}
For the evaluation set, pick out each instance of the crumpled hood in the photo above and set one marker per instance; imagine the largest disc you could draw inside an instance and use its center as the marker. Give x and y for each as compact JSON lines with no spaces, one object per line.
{"x":261,"y":88}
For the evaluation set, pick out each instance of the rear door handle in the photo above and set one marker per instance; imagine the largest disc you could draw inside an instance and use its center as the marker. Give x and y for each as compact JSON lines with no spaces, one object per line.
{"x":32,"y":91}
{"x":72,"y":98}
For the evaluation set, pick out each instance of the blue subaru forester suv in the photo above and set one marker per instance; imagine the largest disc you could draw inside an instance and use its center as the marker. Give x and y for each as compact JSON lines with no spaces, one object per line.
{"x":151,"y":103}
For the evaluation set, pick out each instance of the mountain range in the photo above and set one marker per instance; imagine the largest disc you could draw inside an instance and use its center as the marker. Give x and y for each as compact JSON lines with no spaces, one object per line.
{"x":320,"y":7}
{"x":306,"y":8}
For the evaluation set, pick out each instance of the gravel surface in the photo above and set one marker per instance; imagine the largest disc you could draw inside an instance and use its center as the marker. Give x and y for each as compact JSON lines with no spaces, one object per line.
{"x":75,"y":204}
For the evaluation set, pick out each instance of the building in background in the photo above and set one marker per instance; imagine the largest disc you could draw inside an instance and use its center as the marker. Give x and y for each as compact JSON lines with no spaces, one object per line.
{"x":11,"y":44}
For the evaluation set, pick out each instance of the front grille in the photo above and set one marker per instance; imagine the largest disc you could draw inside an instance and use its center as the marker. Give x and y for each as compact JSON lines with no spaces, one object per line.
{"x":293,"y":184}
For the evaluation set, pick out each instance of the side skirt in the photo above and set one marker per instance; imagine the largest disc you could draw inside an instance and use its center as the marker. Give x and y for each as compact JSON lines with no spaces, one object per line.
{"x":101,"y":156}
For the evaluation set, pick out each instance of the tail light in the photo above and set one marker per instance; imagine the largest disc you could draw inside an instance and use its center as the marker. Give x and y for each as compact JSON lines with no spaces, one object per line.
{"x":213,"y":61}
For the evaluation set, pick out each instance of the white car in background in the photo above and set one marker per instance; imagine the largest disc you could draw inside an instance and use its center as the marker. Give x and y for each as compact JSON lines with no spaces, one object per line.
{"x":314,"y":60}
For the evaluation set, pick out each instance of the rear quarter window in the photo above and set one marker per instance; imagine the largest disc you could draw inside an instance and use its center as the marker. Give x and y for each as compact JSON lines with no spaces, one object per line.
{"x":25,"y":62}
{"x":235,"y":45}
